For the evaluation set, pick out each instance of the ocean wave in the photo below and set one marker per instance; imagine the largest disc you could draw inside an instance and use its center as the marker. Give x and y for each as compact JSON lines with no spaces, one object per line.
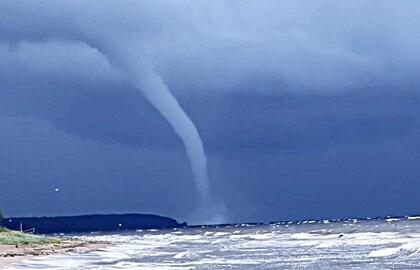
{"x":373,"y":244}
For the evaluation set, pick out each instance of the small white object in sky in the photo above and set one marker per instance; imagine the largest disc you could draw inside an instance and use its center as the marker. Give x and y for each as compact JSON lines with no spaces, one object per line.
{"x":56,"y":189}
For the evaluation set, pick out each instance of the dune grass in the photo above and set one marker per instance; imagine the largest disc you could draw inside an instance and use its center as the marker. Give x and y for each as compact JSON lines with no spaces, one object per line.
{"x":8,"y":237}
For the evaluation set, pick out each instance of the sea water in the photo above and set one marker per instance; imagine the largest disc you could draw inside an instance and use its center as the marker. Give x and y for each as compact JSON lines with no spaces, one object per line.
{"x":392,"y":243}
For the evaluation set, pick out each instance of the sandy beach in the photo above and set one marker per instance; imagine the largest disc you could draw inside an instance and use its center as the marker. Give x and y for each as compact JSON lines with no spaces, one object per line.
{"x":10,"y":254}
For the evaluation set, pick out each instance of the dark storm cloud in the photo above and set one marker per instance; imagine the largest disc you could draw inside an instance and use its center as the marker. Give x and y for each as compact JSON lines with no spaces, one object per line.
{"x":52,"y":57}
{"x":318,"y":45}
{"x":263,"y":82}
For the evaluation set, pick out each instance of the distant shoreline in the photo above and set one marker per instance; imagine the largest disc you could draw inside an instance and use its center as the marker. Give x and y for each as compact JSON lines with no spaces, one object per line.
{"x":90,"y":223}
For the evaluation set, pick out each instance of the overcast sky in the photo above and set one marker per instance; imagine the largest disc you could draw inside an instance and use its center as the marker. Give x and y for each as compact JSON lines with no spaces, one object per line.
{"x":307,"y":109}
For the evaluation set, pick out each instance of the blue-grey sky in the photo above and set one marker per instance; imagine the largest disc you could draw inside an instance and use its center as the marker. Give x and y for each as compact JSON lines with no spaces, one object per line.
{"x":306,"y":109}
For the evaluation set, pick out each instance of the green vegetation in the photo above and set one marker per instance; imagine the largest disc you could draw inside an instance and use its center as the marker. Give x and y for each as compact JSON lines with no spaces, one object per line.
{"x":8,"y":237}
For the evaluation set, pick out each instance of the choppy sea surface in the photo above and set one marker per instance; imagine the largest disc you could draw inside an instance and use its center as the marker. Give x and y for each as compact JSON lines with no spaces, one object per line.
{"x":392,"y":243}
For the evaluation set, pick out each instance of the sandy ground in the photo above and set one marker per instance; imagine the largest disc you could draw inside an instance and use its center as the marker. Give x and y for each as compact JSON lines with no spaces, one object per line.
{"x":11,"y":254}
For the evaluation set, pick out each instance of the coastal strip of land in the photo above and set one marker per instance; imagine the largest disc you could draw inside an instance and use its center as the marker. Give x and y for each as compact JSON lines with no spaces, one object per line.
{"x":17,"y":246}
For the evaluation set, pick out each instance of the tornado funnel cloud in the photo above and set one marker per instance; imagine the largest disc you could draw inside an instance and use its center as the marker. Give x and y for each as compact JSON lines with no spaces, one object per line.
{"x":142,"y":75}
{"x":157,"y":93}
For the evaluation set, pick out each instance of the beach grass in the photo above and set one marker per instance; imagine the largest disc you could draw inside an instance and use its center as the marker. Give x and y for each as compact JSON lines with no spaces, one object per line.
{"x":8,"y":237}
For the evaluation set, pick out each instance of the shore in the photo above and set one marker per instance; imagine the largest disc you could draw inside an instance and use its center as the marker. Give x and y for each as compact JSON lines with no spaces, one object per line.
{"x":10,"y":254}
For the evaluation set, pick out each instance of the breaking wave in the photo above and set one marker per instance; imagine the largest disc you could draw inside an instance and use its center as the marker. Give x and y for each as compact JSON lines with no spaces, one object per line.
{"x":392,"y":243}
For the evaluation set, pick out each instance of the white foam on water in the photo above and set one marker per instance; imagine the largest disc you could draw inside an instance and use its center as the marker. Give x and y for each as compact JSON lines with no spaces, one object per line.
{"x":411,"y":247}
{"x":184,"y":254}
{"x":392,"y":219}
{"x":221,"y":234}
{"x":310,"y":246}
{"x":384,"y":252}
